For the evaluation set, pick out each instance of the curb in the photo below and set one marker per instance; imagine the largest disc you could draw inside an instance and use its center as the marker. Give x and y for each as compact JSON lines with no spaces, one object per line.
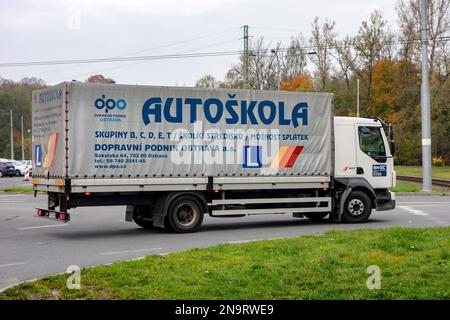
{"x":422,"y":193}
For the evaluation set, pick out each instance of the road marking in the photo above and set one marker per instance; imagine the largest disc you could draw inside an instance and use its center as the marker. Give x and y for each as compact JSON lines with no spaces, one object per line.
{"x":46,"y":226}
{"x":12,"y":264}
{"x":424,"y":202}
{"x":414,"y":211}
{"x":129,"y":251}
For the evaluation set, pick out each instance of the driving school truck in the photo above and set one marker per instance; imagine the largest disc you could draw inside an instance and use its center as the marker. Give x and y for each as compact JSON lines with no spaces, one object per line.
{"x":170,"y":155}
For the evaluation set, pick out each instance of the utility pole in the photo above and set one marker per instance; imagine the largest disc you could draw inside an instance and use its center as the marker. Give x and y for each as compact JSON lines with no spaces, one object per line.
{"x":12,"y":141}
{"x":425,"y":100}
{"x":21,"y":129}
{"x":357,"y":98}
{"x":274,"y":51}
{"x":246,"y":58}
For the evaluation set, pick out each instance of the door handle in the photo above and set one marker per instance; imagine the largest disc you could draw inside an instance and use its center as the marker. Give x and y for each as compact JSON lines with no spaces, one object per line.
{"x":359,"y":170}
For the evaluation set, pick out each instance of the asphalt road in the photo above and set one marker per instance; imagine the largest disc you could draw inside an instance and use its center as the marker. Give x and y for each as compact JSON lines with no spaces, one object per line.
{"x":9,"y":182}
{"x":32,"y":247}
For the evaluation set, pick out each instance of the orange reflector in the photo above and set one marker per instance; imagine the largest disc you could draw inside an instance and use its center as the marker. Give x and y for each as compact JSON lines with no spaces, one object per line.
{"x":59,"y":182}
{"x":87,"y":194}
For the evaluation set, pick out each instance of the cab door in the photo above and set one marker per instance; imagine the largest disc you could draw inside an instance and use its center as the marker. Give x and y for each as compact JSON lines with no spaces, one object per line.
{"x":372,"y":161}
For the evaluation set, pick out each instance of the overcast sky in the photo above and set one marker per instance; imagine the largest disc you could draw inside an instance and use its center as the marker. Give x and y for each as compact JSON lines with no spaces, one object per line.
{"x":33,"y":30}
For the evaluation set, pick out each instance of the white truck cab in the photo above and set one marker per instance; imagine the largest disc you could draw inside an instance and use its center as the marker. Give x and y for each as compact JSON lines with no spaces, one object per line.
{"x":364,"y":158}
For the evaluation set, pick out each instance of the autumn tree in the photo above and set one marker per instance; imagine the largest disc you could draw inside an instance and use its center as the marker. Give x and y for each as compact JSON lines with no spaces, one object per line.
{"x":98,"y":78}
{"x":298,"y":83}
{"x":369,"y":44}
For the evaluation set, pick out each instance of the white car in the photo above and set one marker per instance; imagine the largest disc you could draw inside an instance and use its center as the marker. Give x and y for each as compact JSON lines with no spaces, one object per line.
{"x":21,"y":166}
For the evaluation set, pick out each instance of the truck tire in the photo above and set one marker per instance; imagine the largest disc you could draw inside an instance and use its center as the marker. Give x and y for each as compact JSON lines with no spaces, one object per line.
{"x":316,"y":216}
{"x":185,"y":214}
{"x":357,"y":208}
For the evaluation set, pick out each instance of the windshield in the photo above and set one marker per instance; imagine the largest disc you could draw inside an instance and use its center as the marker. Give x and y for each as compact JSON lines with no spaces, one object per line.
{"x":371,"y":141}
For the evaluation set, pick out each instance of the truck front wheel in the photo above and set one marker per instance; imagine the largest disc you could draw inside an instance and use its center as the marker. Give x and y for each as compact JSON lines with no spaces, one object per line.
{"x":357,"y":208}
{"x":185,"y":214}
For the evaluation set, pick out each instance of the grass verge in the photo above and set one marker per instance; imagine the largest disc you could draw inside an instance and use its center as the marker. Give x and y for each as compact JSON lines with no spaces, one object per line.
{"x":406,"y":187}
{"x":414,"y":264}
{"x":18,"y":189}
{"x":438,"y":172}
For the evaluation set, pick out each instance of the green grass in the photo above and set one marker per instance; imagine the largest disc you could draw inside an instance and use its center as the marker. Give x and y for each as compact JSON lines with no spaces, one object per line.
{"x":414,"y":264}
{"x":406,"y":187}
{"x":441,"y":172}
{"x":18,"y":189}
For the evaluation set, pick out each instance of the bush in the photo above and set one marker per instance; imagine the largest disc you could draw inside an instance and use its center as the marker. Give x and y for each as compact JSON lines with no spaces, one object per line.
{"x":438,"y":161}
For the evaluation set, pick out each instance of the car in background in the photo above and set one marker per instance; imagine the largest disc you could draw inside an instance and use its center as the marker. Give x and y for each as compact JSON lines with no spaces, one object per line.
{"x":21,"y":166}
{"x":7,"y":169}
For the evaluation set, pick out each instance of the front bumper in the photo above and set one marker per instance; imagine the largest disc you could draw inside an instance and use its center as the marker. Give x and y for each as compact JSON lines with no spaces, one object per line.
{"x":386,"y":204}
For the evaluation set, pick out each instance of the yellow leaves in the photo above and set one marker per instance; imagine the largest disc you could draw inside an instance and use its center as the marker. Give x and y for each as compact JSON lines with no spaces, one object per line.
{"x":298,"y":83}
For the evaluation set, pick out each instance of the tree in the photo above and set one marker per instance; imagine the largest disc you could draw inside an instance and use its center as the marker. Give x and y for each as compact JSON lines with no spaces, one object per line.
{"x":268,"y":64}
{"x":369,"y":46}
{"x":294,"y":61}
{"x":233,"y":79}
{"x":384,"y":88}
{"x":207,"y":81}
{"x":321,"y":39}
{"x":98,"y":78}
{"x":408,"y":12}
{"x":345,"y":57}
{"x":298,"y":83}
{"x":16,"y":96}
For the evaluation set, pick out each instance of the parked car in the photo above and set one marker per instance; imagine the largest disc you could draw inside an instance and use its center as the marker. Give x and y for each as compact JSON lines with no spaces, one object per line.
{"x":19,"y":167}
{"x":7,"y":169}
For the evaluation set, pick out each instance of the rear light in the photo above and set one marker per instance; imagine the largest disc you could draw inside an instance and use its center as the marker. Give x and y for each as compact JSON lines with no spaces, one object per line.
{"x":53,"y":215}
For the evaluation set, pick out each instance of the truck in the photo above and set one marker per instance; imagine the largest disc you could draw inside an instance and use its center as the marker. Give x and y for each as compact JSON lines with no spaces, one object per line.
{"x":170,"y":155}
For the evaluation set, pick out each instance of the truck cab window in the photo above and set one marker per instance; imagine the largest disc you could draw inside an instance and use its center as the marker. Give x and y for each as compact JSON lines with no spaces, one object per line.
{"x":371,"y":142}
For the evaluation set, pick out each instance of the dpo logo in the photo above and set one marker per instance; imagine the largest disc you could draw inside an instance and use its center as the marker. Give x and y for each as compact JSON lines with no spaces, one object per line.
{"x":109,"y":104}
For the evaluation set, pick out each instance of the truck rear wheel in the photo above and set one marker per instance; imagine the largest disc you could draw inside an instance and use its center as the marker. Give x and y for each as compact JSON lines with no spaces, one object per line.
{"x":316,"y":216}
{"x":185,"y":214}
{"x":357,"y":208}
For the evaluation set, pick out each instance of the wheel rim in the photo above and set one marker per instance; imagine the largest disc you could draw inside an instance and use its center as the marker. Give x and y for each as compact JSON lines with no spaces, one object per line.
{"x":355,"y":207}
{"x":186,"y":214}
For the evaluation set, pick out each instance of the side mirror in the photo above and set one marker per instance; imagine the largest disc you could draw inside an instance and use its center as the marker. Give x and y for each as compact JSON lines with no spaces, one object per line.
{"x":392,"y":147}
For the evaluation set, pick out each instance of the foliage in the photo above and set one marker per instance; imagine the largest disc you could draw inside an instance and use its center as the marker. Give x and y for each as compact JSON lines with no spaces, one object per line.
{"x":16,"y":96}
{"x":98,"y":78}
{"x":438,"y":161}
{"x":298,"y":83}
{"x":207,"y":81}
